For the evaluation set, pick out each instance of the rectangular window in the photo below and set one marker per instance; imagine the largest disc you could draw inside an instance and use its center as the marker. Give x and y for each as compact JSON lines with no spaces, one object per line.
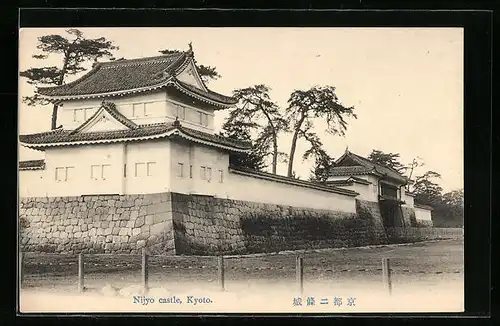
{"x":69,"y":173}
{"x":60,"y":174}
{"x":79,"y":115}
{"x":124,"y":170}
{"x":180,"y":170}
{"x":138,"y":110}
{"x":95,"y":172}
{"x":180,"y":112}
{"x":209,"y":174}
{"x":139,"y":169}
{"x":203,"y":173}
{"x":190,"y":171}
{"x":100,"y":172}
{"x":389,"y":191}
{"x":221,"y":176}
{"x":87,"y":113}
{"x":64,"y":173}
{"x":150,"y":168}
{"x":148,"y":109}
{"x":105,"y":171}
{"x":203,"y":119}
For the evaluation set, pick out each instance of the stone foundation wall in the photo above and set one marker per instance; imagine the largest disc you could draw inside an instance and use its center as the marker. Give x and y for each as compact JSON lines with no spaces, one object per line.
{"x":173,"y":223}
{"x":208,"y":225}
{"x":409,"y":218}
{"x":371,"y":211}
{"x":97,"y":224}
{"x":423,"y":223}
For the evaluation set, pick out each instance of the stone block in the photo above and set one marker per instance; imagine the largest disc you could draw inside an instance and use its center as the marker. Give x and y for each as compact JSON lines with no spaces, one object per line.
{"x":157,"y":228}
{"x":139,"y":222}
{"x":116,"y":230}
{"x":141,"y":244}
{"x":149,"y":219}
{"x":143,"y":211}
{"x":136,"y":231}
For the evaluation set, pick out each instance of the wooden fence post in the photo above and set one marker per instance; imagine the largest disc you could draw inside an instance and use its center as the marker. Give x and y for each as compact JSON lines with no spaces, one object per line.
{"x":386,"y":274}
{"x":145,"y":271}
{"x":220,"y":270}
{"x":81,"y":285}
{"x":21,"y":267}
{"x":299,"y":272}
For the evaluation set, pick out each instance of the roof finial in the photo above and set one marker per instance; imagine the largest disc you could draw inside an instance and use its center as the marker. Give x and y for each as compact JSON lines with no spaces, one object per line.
{"x":347,"y":149}
{"x":176,"y":122}
{"x":190,"y":47}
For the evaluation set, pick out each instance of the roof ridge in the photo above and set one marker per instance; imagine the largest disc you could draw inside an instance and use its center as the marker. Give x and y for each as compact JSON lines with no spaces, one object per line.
{"x":142,"y":60}
{"x":379,"y":164}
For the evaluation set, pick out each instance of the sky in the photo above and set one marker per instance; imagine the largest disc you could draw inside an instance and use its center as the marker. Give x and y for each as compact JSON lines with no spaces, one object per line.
{"x":406,"y":84}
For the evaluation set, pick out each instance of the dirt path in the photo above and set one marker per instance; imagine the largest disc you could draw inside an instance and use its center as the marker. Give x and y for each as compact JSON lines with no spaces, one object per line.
{"x":426,"y":277}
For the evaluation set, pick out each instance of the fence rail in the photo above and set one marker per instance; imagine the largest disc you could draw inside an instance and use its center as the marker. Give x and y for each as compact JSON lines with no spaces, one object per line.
{"x":385,"y":269}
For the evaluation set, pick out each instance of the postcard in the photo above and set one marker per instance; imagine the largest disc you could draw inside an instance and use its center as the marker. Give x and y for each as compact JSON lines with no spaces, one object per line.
{"x":241,"y":170}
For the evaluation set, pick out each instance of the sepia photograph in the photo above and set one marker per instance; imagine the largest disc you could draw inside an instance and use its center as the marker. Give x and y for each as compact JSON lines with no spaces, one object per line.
{"x":240,"y":170}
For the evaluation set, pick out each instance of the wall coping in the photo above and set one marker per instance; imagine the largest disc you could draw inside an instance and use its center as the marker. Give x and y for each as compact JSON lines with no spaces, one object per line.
{"x":421,"y":206}
{"x":291,"y":181}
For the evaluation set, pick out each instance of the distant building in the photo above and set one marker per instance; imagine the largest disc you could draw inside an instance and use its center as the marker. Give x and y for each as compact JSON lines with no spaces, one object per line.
{"x":377,"y":183}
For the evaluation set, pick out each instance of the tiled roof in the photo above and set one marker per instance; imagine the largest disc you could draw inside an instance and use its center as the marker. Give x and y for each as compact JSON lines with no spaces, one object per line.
{"x":349,"y":170}
{"x":60,"y":137}
{"x":339,"y":182}
{"x":120,"y":75}
{"x":283,"y":179}
{"x":134,"y":75}
{"x":210,"y":94}
{"x":364,"y":166}
{"x":32,"y":165}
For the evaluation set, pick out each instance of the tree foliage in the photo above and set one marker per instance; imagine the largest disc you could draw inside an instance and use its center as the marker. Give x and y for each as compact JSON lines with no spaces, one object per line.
{"x":391,"y":160}
{"x":321,"y":168}
{"x":75,"y":50}
{"x":426,"y":190}
{"x":304,"y":107}
{"x":256,"y":110}
{"x":448,"y":208}
{"x":207,"y":73}
{"x":255,"y":160}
